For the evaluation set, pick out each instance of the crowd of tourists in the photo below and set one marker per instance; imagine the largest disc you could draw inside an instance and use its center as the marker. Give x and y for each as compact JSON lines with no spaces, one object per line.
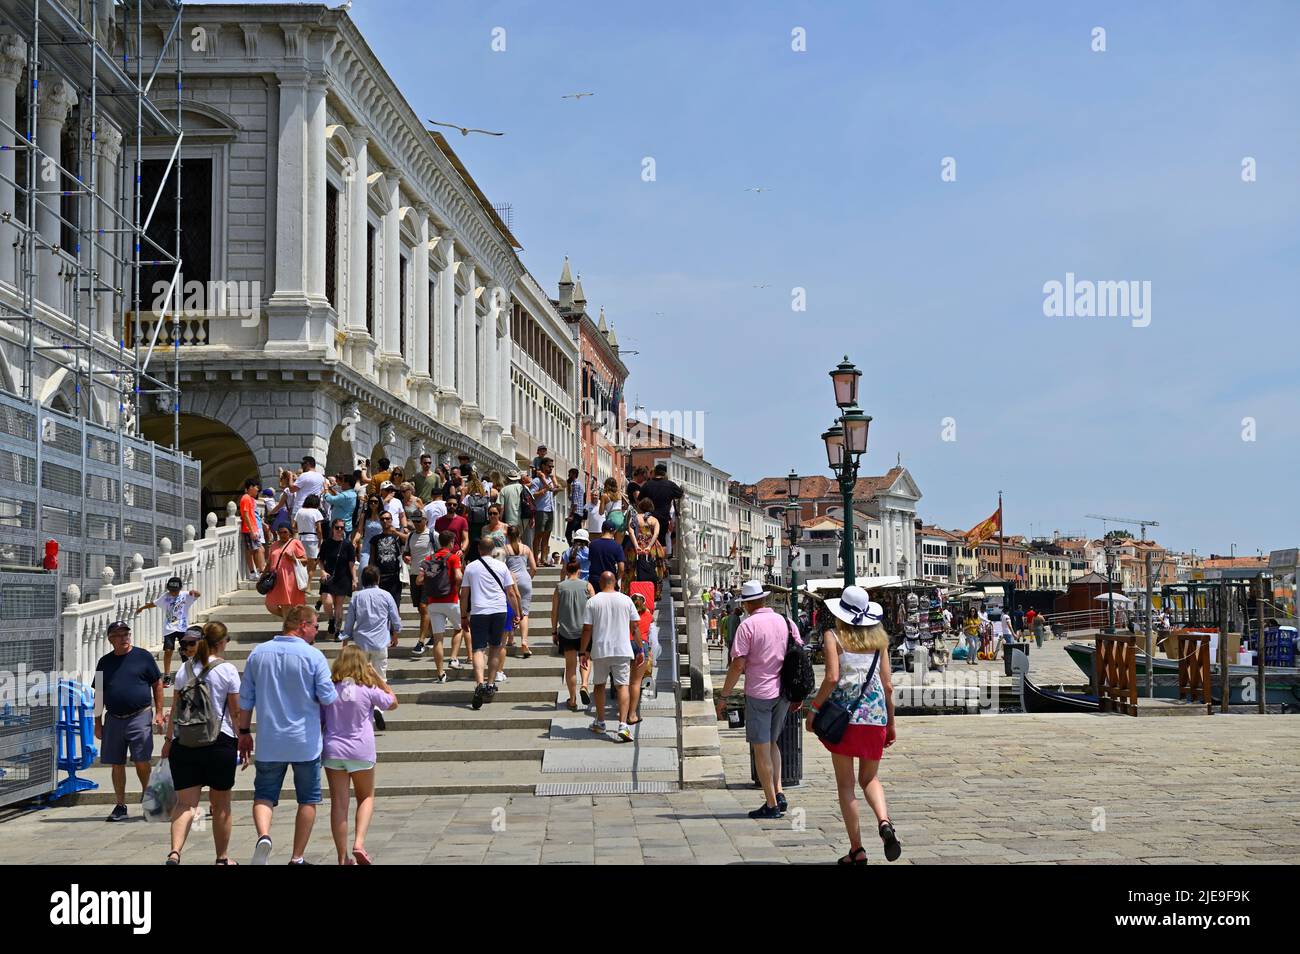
{"x":463,"y":548}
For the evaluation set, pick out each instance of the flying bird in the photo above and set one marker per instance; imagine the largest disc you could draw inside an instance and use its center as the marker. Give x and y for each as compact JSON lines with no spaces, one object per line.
{"x":464,"y":130}
{"x":759,"y":189}
{"x":762,"y":286}
{"x":577,"y":96}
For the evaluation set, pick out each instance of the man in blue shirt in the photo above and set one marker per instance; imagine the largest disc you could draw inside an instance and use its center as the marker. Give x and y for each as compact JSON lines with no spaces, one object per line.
{"x":373,"y":623}
{"x":606,"y":555}
{"x":127,"y":681}
{"x":287,"y":681}
{"x":342,"y":502}
{"x":543,"y":488}
{"x":577,"y":494}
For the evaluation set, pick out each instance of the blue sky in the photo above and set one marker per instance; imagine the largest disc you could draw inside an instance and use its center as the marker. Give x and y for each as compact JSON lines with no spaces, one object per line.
{"x":1122,"y":165}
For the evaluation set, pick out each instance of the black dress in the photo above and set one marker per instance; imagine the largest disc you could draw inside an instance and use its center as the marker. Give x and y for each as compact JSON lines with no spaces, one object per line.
{"x":336,"y":559}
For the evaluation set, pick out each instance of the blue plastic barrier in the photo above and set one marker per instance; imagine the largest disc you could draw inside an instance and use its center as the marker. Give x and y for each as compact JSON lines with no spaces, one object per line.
{"x":76,"y":737}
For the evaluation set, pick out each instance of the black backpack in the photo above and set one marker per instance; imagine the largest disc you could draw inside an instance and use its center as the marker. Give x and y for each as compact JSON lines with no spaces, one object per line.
{"x":797,"y":677}
{"x":527,"y":506}
{"x":437,"y":577}
{"x":478,"y":508}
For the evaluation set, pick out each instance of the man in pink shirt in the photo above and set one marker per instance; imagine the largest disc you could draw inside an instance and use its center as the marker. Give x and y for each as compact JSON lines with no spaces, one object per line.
{"x":758,"y":653}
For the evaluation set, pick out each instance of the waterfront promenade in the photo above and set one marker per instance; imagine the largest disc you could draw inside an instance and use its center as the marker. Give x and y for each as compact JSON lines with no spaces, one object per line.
{"x":962,"y":789}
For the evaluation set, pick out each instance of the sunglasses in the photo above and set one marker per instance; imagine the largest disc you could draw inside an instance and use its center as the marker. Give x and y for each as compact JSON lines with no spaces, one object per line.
{"x":189,"y":642}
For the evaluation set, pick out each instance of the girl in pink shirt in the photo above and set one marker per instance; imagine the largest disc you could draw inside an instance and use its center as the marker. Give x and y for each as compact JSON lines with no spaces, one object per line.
{"x":348,"y":746}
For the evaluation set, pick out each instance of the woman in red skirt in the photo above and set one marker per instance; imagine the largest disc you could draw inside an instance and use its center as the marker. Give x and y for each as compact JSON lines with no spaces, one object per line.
{"x":857,"y":678}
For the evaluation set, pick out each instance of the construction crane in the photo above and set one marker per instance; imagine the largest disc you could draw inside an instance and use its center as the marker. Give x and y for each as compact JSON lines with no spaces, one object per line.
{"x":1105,"y":520}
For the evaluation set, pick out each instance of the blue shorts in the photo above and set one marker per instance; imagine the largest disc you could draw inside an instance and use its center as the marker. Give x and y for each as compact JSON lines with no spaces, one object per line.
{"x":270,"y":781}
{"x":486,"y":630}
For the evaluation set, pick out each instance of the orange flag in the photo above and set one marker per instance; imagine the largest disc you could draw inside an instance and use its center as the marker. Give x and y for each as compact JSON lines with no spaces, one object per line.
{"x":984,"y":529}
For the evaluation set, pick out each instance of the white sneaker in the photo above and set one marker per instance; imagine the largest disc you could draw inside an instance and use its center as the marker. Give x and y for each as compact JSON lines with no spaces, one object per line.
{"x":455,"y":664}
{"x":262,"y":850}
{"x":501,"y":677}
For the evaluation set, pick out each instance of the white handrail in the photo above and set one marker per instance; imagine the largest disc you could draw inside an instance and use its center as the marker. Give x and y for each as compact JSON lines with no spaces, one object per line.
{"x":211,"y":565}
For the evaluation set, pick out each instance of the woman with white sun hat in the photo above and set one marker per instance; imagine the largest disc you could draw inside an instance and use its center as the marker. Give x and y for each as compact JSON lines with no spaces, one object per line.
{"x":857,"y":686}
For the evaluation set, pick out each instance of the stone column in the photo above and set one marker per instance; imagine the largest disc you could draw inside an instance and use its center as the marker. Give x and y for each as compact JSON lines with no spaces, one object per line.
{"x":389,"y":294}
{"x":56,"y":98}
{"x":421,"y":345}
{"x":449,"y":399}
{"x":13,"y":58}
{"x":314,"y":256}
{"x":108,"y":147}
{"x":505,"y":400}
{"x":288,"y":311}
{"x":359,"y":353}
{"x":471,"y":414}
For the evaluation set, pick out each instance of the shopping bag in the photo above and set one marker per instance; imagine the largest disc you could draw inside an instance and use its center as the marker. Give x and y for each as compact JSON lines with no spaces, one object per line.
{"x":300,"y":576}
{"x":160,"y":795}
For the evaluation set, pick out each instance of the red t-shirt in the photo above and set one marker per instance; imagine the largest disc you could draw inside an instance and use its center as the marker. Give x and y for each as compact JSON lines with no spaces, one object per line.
{"x":248,"y":514}
{"x":453,"y":568}
{"x":457,"y":525}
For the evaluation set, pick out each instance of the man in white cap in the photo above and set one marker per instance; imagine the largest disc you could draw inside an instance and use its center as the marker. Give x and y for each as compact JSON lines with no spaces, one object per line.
{"x":758,"y":653}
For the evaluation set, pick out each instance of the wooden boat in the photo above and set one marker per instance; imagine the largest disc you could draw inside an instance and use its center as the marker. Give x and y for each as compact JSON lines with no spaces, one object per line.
{"x":1037,"y":699}
{"x":1281,"y":683}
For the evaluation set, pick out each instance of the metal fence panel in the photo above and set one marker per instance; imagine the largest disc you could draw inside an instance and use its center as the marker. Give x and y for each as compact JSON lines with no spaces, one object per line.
{"x":29,"y":649}
{"x":102,"y":496}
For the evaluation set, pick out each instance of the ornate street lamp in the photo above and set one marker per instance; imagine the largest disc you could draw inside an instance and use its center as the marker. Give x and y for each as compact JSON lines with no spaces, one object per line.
{"x":792,"y":514}
{"x":845,"y":377}
{"x":846,"y":442}
{"x":792,"y":485}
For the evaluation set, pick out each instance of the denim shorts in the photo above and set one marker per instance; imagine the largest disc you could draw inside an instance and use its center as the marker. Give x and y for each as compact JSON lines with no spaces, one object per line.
{"x":270,"y":780}
{"x":486,"y":631}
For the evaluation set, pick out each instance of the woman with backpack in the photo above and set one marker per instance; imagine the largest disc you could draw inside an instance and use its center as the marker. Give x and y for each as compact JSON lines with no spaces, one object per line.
{"x":476,"y":504}
{"x":348,"y":747}
{"x":853,"y":714}
{"x":615,"y":508}
{"x":647,"y":562}
{"x":281,"y":512}
{"x":201,"y":745}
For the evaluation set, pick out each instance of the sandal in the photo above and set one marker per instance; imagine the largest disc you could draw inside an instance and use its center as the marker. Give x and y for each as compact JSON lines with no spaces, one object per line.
{"x":361,"y":856}
{"x":573,"y":706}
{"x":169,"y":858}
{"x":225,"y":861}
{"x":636,"y":721}
{"x":525,"y":652}
{"x":892,"y":848}
{"x":852,"y":857}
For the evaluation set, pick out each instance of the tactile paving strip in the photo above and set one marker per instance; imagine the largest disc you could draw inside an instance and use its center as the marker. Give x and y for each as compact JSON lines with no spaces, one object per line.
{"x":606,"y":788}
{"x":619,"y":757}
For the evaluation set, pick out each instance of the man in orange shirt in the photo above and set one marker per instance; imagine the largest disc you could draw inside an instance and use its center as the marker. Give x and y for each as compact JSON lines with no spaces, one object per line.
{"x":251,"y":528}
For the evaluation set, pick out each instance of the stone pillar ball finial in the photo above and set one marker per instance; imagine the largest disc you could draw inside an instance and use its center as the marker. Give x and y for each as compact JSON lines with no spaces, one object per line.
{"x":165,"y":546}
{"x":137,"y":562}
{"x":73,"y":594}
{"x":189,"y":533}
{"x":211,"y":519}
{"x":107,"y":575}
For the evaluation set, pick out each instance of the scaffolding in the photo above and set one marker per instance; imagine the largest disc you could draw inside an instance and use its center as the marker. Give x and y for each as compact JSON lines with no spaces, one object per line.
{"x":80,"y":220}
{"x":69,"y":40}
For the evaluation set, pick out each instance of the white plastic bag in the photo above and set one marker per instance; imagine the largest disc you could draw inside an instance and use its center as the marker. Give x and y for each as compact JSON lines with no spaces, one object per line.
{"x":160,"y":795}
{"x":300,"y":575}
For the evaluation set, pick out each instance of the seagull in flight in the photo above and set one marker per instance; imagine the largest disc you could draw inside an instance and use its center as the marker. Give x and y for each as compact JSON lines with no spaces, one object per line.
{"x":464,"y":130}
{"x":759,"y":189}
{"x":577,"y":96}
{"x":762,"y":286}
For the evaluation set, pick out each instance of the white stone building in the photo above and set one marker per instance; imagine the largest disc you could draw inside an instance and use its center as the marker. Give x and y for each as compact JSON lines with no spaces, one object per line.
{"x":388,"y":282}
{"x":544,"y":385}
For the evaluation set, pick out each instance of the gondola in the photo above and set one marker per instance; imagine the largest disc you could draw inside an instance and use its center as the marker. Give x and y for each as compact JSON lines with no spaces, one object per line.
{"x":1281,"y":683}
{"x":1035,"y":699}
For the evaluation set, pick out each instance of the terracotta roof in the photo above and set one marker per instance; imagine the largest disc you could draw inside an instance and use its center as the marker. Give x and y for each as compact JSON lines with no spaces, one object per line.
{"x":1228,"y":563}
{"x":817,"y":487}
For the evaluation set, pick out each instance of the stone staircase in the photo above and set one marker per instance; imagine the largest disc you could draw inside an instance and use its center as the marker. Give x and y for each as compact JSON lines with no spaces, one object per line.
{"x":525,"y":741}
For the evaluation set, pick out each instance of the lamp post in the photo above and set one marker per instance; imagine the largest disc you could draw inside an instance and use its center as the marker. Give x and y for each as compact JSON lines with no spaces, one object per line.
{"x":769,"y":556}
{"x":792,"y":531}
{"x":1110,"y":589}
{"x":846,"y":442}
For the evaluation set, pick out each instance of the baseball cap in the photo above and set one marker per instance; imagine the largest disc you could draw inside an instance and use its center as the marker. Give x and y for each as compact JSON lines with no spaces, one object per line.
{"x":175,"y":583}
{"x":120,"y":624}
{"x":387,"y":485}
